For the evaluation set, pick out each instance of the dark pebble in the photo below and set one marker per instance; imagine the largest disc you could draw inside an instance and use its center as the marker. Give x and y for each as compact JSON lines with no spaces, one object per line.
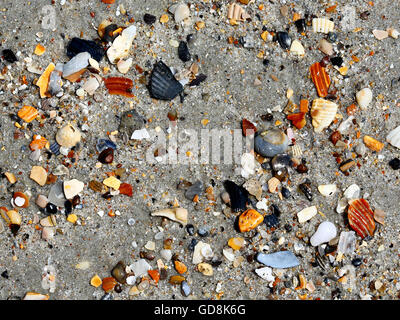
{"x":356,"y":262}
{"x":395,"y":163}
{"x":4,"y":274}
{"x":284,"y":39}
{"x":300,"y":25}
{"x":275,"y":210}
{"x":267,"y":117}
{"x":163,"y":274}
{"x":51,"y":208}
{"x":265,"y":62}
{"x":68,"y":207}
{"x":192,"y":244}
{"x":332,"y":37}
{"x":118,"y":288}
{"x":286,"y":193}
{"x":190,"y":229}
{"x":325,"y":61}
{"x":302,"y":168}
{"x":306,"y":189}
{"x":202,"y":232}
{"x":106,"y":156}
{"x":271,"y":221}
{"x":9,"y":56}
{"x":149,"y":18}
{"x":337,"y":61}
{"x":76,"y":201}
{"x":183,"y":52}
{"x":288,"y":227}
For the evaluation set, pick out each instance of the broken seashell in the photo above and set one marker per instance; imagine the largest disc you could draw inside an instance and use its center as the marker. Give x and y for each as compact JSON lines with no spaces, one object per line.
{"x":297,"y":48}
{"x":55,"y":83}
{"x":373,"y":144}
{"x":124,"y":65}
{"x":236,"y":13}
{"x":176,"y":214}
{"x":326,"y":232}
{"x":36,"y":296}
{"x":77,"y":45}
{"x":320,"y":78}
{"x":121,"y":45}
{"x":249,"y":220}
{"x":112,"y":182}
{"x":361,"y":217}
{"x":49,"y":221}
{"x":28,"y":113}
{"x":38,"y":142}
{"x":364,"y":97}
{"x":323,"y":25}
{"x":379,"y":216}
{"x":236,"y":243}
{"x":326,"y":47}
{"x":323,"y":112}
{"x":108,"y":284}
{"x":271,"y":142}
{"x":39,"y":175}
{"x":76,"y":66}
{"x":238,"y":196}
{"x":119,"y":86}
{"x":68,"y":136}
{"x":273,"y":184}
{"x":393,"y":33}
{"x":307,"y":214}
{"x":43,"y":81}
{"x":327,"y":189}
{"x":180,"y":11}
{"x":163,"y":85}
{"x":380,"y":34}
{"x":72,"y":188}
{"x":352,"y":192}
{"x":20,"y":200}
{"x":394,"y":137}
{"x":205,"y":268}
{"x":298,"y":119}
{"x":91,"y":85}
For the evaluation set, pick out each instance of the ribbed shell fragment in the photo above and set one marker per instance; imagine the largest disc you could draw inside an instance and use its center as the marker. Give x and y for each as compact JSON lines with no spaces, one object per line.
{"x":361,"y":217}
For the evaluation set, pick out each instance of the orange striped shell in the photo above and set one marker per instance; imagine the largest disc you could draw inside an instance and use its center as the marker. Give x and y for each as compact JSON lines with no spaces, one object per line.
{"x":361,"y":217}
{"x":321,"y":79}
{"x":27,"y":113}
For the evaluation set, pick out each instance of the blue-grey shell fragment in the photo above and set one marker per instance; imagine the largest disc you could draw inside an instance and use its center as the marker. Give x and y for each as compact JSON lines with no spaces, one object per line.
{"x":280,"y":259}
{"x":163,"y":85}
{"x":103,"y":144}
{"x":269,"y":143}
{"x":185,"y":288}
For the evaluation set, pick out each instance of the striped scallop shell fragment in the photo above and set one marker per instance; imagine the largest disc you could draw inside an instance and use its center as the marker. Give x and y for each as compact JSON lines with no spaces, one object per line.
{"x":394,"y":137}
{"x":361,"y":217}
{"x":323,"y":112}
{"x":320,"y":78}
{"x":323,"y":25}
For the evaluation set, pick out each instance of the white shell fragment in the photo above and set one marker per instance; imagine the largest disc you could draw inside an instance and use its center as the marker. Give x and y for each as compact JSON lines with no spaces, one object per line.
{"x":124,"y":65}
{"x":72,"y":188}
{"x":323,"y":25}
{"x":352,"y":192}
{"x":307,"y":214}
{"x":249,"y":165}
{"x":36,"y":296}
{"x":394,"y":137}
{"x":181,"y":12}
{"x":326,"y":47}
{"x":121,"y":45}
{"x":327,"y":189}
{"x":341,"y":206}
{"x":176,"y":214}
{"x":265,"y":273}
{"x":68,"y":136}
{"x":364,"y":97}
{"x":77,"y":63}
{"x":347,"y":242}
{"x":393,"y":33}
{"x":202,"y":251}
{"x":297,"y":48}
{"x":91,"y":85}
{"x":140,"y":134}
{"x":326,"y":232}
{"x":323,"y":112}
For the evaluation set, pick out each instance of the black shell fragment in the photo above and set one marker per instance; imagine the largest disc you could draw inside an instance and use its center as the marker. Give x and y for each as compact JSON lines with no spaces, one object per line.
{"x":183,"y":52}
{"x":337,"y":61}
{"x":163,"y":84}
{"x":199,"y":79}
{"x":9,"y":56}
{"x":238,"y":196}
{"x":300,"y":25}
{"x":77,"y":45}
{"x":306,"y":189}
{"x":284,"y":39}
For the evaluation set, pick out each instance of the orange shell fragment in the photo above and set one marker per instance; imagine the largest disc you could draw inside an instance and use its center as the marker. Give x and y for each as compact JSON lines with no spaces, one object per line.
{"x":361,"y":217}
{"x":154,"y":274}
{"x":373,"y":144}
{"x":27,"y":113}
{"x":249,"y":220}
{"x":43,"y":82}
{"x":108,"y":284}
{"x":298,"y":119}
{"x":38,"y":142}
{"x":321,"y":79}
{"x":39,"y":50}
{"x":119,"y":86}
{"x":180,"y":267}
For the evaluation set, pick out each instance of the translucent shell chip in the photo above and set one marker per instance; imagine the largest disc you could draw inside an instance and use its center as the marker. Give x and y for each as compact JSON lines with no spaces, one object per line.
{"x":394,"y":137}
{"x":323,"y":25}
{"x":320,"y":78}
{"x":323,"y":112}
{"x":361,"y":217}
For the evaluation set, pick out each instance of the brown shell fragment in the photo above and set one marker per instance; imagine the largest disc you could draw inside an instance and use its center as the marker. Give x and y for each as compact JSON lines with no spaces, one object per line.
{"x":248,"y":128}
{"x":361,"y":217}
{"x":298,"y":119}
{"x":119,"y":86}
{"x":321,"y":79}
{"x":249,"y":220}
{"x":109,"y":283}
{"x":373,"y":144}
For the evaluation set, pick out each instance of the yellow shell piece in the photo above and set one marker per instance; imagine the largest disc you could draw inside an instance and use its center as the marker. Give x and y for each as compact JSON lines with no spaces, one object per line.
{"x":43,"y":82}
{"x":112,"y":182}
